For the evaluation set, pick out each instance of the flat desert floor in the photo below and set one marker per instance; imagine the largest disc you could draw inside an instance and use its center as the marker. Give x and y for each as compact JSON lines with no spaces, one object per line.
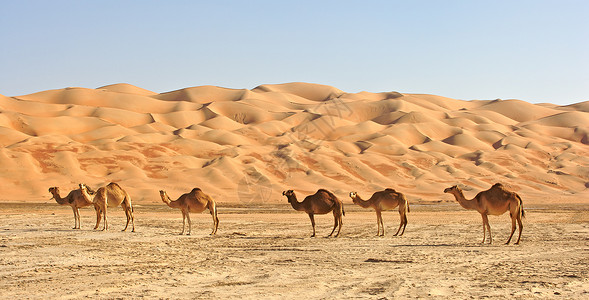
{"x":266,"y":252}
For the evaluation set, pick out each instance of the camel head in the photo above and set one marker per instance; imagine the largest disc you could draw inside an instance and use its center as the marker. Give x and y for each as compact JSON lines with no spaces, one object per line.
{"x":353,"y":195}
{"x":54,"y":191}
{"x":453,"y":189}
{"x":83,"y":187}
{"x":289,"y":194}
{"x":164,"y":196}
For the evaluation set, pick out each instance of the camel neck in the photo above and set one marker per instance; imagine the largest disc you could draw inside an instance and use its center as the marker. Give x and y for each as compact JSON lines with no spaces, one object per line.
{"x":59,"y":200}
{"x":293,"y":201}
{"x":467,"y":204}
{"x":362,"y":203}
{"x":86,"y":195}
{"x":171,"y":203}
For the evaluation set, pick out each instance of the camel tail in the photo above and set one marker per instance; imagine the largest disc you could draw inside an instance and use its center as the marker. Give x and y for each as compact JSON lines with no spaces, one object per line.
{"x":521,"y":206}
{"x":130,"y":203}
{"x":343,"y":211}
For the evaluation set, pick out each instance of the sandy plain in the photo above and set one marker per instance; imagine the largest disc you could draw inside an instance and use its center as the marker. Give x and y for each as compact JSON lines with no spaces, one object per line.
{"x":264,"y":251}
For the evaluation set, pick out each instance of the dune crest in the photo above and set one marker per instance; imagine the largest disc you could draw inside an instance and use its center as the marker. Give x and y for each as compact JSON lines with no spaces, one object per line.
{"x":259,"y":142}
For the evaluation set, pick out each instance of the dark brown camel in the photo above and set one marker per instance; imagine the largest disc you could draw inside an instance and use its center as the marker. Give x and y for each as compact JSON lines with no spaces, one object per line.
{"x":321,"y":202}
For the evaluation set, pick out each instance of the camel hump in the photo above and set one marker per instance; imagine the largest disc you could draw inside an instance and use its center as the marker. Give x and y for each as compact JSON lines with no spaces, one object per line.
{"x":114,"y":185}
{"x":327,"y":192}
{"x":194,"y":190}
{"x":390,"y":190}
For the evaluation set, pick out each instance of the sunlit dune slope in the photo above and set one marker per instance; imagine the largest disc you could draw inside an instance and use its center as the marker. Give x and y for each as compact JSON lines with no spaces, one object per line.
{"x":247,"y":146}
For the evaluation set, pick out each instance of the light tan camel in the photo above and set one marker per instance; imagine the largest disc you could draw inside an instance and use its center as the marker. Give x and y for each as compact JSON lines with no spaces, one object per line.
{"x":196,"y":201}
{"x":111,"y":195}
{"x":385,"y":200}
{"x":321,"y":202}
{"x":73,"y":199}
{"x":494,"y":201}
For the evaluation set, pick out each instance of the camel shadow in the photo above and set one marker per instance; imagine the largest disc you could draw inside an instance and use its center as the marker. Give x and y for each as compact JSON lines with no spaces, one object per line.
{"x":443,"y":245}
{"x":41,"y":230}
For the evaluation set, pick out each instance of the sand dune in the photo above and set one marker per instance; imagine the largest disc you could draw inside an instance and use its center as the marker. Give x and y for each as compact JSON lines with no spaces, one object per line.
{"x":295,"y":135}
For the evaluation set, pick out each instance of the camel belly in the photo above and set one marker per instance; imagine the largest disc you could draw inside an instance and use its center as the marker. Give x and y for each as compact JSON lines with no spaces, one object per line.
{"x":322,"y":208}
{"x":197,"y":208}
{"x":388,"y":206}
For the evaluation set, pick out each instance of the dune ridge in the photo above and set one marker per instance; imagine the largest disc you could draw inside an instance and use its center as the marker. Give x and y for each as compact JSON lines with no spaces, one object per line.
{"x":248,"y":145}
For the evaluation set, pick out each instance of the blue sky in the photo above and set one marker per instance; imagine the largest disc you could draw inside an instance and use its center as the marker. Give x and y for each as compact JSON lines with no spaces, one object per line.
{"x":537,"y":51}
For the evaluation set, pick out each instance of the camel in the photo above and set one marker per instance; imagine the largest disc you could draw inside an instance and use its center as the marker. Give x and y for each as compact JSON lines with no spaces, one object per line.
{"x":385,"y":200}
{"x":494,"y":201}
{"x":321,"y":202}
{"x":196,"y":201}
{"x":73,"y":199}
{"x":111,"y":195}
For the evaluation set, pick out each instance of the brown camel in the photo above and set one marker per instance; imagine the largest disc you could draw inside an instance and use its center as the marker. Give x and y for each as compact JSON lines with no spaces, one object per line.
{"x":385,"y":200}
{"x":111,"y":195}
{"x":196,"y":201}
{"x":494,"y":201}
{"x":73,"y":199}
{"x":321,"y":202}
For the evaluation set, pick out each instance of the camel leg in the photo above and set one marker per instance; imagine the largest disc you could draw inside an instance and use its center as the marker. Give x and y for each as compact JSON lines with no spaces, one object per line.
{"x":378,"y":223}
{"x":213,"y":211}
{"x":340,"y":222}
{"x":403,"y":223}
{"x":132,"y":218}
{"x":312,"y":217}
{"x":129,"y":213}
{"x":78,"y":214}
{"x":485,"y":222}
{"x":400,"y":224}
{"x":489,"y":229}
{"x":128,"y":218}
{"x":183,"y":222}
{"x":75,"y":218}
{"x":98,"y":215}
{"x":521,"y":226}
{"x":130,"y":209}
{"x":189,"y":222}
{"x":335,"y":223}
{"x":512,"y":229}
{"x":105,"y":225}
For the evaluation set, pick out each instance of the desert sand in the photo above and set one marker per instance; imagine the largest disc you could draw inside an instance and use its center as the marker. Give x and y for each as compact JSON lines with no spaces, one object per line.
{"x":244,"y":147}
{"x":267,"y":252}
